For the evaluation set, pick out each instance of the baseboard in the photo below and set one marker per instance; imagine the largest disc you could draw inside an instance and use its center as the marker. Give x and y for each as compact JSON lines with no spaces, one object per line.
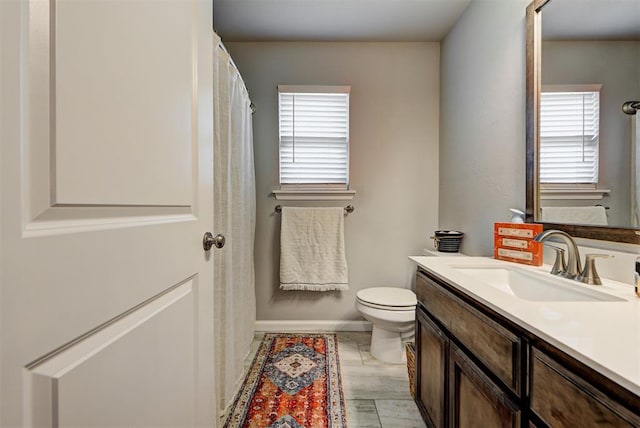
{"x":287,"y":326}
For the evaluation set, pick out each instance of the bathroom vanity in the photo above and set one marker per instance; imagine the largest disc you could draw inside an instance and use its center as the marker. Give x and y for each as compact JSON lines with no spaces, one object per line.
{"x":504,"y":345}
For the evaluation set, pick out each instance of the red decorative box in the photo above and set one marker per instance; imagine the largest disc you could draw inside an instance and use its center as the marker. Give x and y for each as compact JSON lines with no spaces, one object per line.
{"x":513,"y":242}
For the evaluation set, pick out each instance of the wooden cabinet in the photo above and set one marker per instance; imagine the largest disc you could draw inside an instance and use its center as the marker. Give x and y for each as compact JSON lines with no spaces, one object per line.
{"x":451,"y":388}
{"x":560,"y":398}
{"x":475,"y":368}
{"x":431,"y":367}
{"x":494,"y":345}
{"x":476,"y":401}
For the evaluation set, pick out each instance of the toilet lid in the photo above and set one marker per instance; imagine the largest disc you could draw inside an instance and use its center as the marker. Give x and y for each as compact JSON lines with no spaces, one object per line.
{"x":388,"y":296}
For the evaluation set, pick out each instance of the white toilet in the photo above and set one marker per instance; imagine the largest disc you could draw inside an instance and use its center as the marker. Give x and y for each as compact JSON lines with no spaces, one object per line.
{"x":392,"y":311}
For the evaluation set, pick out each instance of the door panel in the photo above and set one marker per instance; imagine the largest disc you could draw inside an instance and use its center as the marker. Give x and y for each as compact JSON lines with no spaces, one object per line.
{"x":123,"y":130}
{"x":106,"y":192}
{"x":152,"y":348}
{"x":110,"y":112}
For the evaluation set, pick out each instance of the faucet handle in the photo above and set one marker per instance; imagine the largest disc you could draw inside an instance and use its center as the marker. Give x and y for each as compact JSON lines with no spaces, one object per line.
{"x":589,"y":275}
{"x":560,"y":265}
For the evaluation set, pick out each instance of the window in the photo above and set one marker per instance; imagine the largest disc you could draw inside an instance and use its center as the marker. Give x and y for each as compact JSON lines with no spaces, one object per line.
{"x":569,"y":136}
{"x":314,"y":137}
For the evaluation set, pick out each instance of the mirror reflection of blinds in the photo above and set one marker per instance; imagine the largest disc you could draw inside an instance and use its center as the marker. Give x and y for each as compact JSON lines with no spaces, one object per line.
{"x":314,"y":138}
{"x":569,"y":137}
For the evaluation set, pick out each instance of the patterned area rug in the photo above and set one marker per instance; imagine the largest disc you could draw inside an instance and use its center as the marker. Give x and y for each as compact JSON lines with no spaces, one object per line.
{"x":293,"y":382}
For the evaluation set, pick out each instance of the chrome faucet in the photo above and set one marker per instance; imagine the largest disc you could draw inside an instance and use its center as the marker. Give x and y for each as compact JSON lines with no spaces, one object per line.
{"x":574,"y":267}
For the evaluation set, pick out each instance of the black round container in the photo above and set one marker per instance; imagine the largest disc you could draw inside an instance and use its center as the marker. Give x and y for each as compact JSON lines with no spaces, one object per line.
{"x":447,"y":241}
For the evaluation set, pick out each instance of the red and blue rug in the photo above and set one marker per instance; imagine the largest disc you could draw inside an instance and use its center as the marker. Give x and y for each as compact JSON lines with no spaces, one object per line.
{"x":293,"y":382}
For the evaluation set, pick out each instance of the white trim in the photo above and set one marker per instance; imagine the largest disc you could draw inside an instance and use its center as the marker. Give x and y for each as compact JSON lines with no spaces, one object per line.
{"x":314,"y":89}
{"x":573,"y":193}
{"x":314,"y":195}
{"x":287,"y":326}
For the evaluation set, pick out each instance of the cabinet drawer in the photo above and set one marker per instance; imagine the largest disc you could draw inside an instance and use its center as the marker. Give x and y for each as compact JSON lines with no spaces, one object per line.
{"x":562,"y":399}
{"x":495,"y":346}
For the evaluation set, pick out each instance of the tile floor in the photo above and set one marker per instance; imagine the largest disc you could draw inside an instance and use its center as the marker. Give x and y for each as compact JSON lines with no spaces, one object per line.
{"x":377,"y":393}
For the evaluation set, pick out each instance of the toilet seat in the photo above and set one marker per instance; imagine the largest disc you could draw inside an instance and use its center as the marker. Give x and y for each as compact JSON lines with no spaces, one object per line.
{"x":388,"y":298}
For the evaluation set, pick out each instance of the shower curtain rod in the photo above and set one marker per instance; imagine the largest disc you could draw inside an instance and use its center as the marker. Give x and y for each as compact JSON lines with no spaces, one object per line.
{"x":251,"y":104}
{"x":631,"y":107}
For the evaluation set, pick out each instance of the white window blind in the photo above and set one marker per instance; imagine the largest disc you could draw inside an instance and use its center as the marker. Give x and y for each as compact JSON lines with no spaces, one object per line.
{"x":314,"y":136}
{"x":569,"y":137}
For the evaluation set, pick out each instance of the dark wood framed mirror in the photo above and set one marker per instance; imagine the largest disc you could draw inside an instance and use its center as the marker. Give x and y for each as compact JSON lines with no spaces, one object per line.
{"x":623,"y":233}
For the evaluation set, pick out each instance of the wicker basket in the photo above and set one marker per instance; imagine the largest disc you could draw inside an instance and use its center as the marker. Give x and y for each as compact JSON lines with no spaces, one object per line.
{"x":410,"y":347}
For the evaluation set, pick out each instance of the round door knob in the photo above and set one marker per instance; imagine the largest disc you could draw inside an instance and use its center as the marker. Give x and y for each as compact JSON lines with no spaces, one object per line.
{"x":209,"y":241}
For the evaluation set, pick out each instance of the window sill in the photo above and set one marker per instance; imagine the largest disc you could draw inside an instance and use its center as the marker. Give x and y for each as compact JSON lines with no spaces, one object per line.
{"x":573,"y":193}
{"x":314,"y":195}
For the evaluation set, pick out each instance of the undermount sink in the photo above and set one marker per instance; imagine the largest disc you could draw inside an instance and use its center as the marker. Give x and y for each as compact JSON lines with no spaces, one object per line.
{"x":535,"y":287}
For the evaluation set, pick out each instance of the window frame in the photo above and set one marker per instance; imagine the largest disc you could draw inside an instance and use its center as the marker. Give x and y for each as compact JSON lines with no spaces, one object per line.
{"x":314,"y":190}
{"x":579,"y":188}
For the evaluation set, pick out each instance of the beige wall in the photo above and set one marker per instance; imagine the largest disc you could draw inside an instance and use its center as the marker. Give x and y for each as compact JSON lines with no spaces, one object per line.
{"x":394,"y":162}
{"x":482,"y":126}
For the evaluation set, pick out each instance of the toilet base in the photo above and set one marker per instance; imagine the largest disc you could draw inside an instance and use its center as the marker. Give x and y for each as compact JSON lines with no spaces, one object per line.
{"x":388,"y":346}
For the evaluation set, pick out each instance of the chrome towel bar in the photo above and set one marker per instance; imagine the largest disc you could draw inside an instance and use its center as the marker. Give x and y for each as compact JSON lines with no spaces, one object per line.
{"x":348,"y":209}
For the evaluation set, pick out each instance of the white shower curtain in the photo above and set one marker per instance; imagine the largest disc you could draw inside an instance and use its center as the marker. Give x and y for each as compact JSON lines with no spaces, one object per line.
{"x":234,"y":211}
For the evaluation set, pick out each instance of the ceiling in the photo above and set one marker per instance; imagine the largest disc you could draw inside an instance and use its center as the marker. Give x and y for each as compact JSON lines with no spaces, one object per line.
{"x":336,"y":20}
{"x":591,"y":20}
{"x":407,"y":20}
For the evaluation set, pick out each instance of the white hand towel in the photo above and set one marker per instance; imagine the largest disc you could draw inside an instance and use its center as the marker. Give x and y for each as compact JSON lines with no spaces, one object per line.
{"x":575,"y":215}
{"x":312,"y":255}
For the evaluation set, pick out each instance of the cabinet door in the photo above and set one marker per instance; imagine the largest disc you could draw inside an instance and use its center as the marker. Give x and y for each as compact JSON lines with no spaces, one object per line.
{"x":563,"y":399}
{"x":431,"y":387}
{"x":474,"y":400}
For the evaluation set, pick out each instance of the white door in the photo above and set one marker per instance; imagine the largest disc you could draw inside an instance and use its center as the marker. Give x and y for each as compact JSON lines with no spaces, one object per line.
{"x":106,"y":304}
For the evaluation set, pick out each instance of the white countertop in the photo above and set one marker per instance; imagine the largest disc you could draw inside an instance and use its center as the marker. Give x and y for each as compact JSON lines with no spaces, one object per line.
{"x":603,"y":335}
